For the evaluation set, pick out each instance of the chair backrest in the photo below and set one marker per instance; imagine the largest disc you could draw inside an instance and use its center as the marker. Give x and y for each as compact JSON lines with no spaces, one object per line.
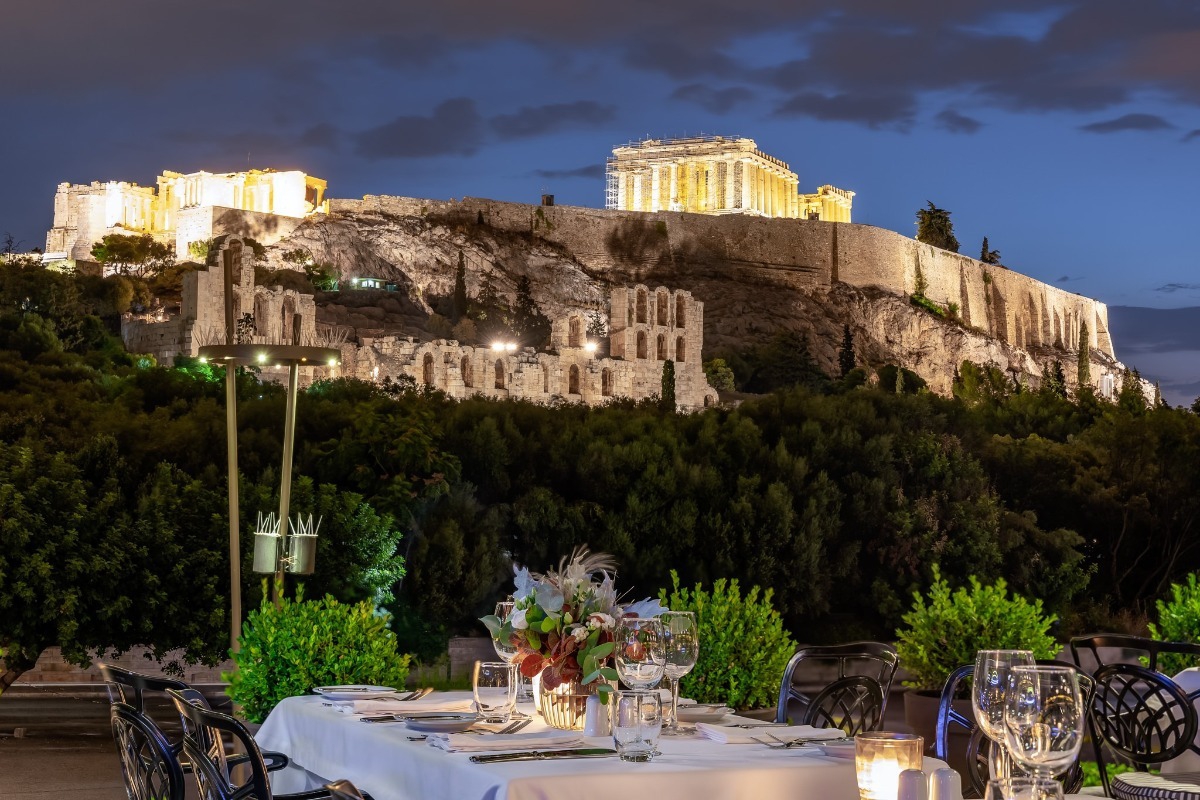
{"x":344,"y":790}
{"x":1142,"y":715}
{"x":203,"y":743}
{"x":853,"y":704}
{"x":148,"y":763}
{"x":1092,"y":644}
{"x":129,"y":687}
{"x":876,"y":660}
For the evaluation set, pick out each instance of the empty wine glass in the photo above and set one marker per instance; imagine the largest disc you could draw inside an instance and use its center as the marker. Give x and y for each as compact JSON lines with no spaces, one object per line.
{"x":1043,"y":718}
{"x":681,"y":641}
{"x":1023,"y":789}
{"x":508,"y":651}
{"x":639,"y":652}
{"x":988,"y":690}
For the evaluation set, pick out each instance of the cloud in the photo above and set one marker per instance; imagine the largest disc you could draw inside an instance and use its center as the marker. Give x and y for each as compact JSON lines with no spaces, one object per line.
{"x":1192,"y":134}
{"x":1068,"y":278}
{"x":1129,"y":122}
{"x":874,"y":111}
{"x":590,"y":171}
{"x":954,"y":122}
{"x":454,"y":128}
{"x":718,"y":101}
{"x":1171,"y":288}
{"x":537,"y":120}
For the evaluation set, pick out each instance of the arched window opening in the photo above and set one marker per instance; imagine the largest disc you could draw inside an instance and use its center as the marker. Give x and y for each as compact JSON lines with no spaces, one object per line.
{"x":606,"y":383}
{"x":467,"y":376}
{"x":708,"y":401}
{"x":499,"y":374}
{"x":641,"y":305}
{"x":427,"y":370}
{"x":573,"y":380}
{"x":662,"y":347}
{"x":641,"y":345}
{"x":662,"y":308}
{"x":680,"y":312}
{"x":575,"y":332}
{"x":680,"y":350}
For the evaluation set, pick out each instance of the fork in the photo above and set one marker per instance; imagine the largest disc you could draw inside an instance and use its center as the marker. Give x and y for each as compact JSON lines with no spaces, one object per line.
{"x":782,"y":744}
{"x":512,"y":727}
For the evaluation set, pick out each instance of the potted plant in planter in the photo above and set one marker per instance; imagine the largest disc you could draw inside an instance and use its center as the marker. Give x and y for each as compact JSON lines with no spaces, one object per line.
{"x":945,"y":629}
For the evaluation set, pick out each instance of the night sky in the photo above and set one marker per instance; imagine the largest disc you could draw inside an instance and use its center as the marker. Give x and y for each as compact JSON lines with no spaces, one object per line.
{"x":1068,"y":133}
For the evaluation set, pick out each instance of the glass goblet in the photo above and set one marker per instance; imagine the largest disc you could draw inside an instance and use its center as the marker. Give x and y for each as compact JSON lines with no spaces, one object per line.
{"x":681,"y":641}
{"x":509,"y":651}
{"x":1043,"y":718}
{"x":640,"y":657}
{"x":988,"y":690}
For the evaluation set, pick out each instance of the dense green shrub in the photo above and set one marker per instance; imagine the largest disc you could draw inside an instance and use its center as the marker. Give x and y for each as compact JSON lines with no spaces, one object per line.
{"x":743,"y":646}
{"x":947,"y":631}
{"x":290,"y":649}
{"x":1178,"y":621}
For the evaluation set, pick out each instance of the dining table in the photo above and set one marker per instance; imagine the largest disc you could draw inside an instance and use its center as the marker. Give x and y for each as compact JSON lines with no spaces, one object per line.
{"x":390,"y":762}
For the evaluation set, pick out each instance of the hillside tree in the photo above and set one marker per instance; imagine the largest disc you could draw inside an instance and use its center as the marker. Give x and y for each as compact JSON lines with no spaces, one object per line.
{"x":132,"y":255}
{"x":934,"y":227}
{"x":668,"y":385}
{"x":1085,"y":362}
{"x":987,"y":255}
{"x":846,"y":361}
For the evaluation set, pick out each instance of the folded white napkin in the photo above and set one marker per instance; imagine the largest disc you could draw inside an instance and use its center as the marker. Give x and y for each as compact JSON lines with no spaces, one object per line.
{"x":504,"y":742}
{"x":729,"y":735}
{"x":382,"y":706}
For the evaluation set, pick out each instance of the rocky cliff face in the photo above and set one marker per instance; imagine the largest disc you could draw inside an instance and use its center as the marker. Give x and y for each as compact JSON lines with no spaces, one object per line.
{"x":417,"y":247}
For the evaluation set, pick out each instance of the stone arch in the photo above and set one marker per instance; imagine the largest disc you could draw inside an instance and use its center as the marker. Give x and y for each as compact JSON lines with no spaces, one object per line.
{"x":427,"y":369}
{"x":680,"y":311}
{"x":606,"y":382}
{"x":641,"y":345}
{"x":468,"y":372}
{"x":680,"y":350}
{"x":573,"y":380}
{"x":661,"y":349}
{"x":640,"y":305}
{"x":661,"y":303}
{"x":500,"y":376}
{"x":708,"y":401}
{"x":575,"y":331}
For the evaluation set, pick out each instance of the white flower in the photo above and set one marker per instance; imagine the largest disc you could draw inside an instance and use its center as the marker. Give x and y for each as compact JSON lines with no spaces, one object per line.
{"x":524,"y":582}
{"x":517,"y":619}
{"x":602,"y":621}
{"x":580,"y":633}
{"x":645,"y":608}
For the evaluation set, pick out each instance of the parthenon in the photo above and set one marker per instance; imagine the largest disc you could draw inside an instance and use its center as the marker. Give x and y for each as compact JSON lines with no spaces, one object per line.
{"x":715,"y":175}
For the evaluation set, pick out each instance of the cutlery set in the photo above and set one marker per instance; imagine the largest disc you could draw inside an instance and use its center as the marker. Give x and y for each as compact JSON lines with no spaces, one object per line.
{"x":784,"y":744}
{"x":511,"y":728}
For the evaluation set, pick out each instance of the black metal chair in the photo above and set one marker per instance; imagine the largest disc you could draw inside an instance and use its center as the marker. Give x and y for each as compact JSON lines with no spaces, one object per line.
{"x":344,"y":790}
{"x":853,"y":704}
{"x":1139,"y":713}
{"x":204,"y":731}
{"x":149,"y":765}
{"x":875,"y":660}
{"x":978,"y":748}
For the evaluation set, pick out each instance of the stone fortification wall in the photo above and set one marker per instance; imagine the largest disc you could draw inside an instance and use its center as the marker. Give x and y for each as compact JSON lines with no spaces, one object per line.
{"x":202,"y":223}
{"x":805,"y":254}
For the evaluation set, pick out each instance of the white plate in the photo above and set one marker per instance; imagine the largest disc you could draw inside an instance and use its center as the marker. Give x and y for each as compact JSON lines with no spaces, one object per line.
{"x":440,"y":722}
{"x":355,"y":692}
{"x":838,"y":749}
{"x":703,"y":713}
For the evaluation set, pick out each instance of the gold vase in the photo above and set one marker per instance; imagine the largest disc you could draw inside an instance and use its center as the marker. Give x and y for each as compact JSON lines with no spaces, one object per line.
{"x":565,"y":705}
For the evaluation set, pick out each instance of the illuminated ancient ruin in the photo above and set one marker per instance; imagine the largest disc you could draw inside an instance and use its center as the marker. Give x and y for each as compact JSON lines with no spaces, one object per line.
{"x":715,"y":175}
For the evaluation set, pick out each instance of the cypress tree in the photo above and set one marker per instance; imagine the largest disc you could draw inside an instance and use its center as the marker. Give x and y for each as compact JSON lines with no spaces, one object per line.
{"x":846,"y":353}
{"x":460,"y":288}
{"x":668,"y":385}
{"x":1085,"y":363}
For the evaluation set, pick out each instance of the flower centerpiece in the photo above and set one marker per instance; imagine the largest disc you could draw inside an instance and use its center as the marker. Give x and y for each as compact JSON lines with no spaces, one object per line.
{"x":562,"y":626}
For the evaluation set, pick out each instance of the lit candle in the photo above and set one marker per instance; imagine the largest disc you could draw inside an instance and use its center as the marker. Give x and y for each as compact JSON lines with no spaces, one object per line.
{"x":880,"y":757}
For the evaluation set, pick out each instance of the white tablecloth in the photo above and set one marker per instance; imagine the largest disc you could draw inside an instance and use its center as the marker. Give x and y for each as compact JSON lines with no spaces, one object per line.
{"x":381,"y":760}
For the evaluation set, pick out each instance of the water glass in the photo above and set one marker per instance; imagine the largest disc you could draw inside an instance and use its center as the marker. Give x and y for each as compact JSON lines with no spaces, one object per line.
{"x":494,"y":684}
{"x":1023,"y":789}
{"x":988,"y":689}
{"x":681,"y":643}
{"x":636,"y":722}
{"x":640,"y":653}
{"x":1043,"y":718}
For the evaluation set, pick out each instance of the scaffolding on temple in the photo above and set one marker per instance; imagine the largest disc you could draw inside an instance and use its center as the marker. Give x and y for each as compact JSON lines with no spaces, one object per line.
{"x":611,"y":184}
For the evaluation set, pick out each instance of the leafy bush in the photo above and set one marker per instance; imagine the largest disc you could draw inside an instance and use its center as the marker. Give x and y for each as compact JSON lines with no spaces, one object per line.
{"x":946,"y":632}
{"x":286,"y":651}
{"x":743,"y":646}
{"x":1178,"y":621}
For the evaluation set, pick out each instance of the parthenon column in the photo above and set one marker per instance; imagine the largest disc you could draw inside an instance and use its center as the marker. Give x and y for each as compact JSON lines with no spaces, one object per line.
{"x":729,"y":198}
{"x":674,"y":199}
{"x":655,"y":185}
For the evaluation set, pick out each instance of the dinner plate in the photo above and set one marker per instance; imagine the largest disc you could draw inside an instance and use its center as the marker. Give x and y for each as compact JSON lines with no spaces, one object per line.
{"x":837,"y":749}
{"x":703,"y":713}
{"x":354,"y":692}
{"x":440,"y":722}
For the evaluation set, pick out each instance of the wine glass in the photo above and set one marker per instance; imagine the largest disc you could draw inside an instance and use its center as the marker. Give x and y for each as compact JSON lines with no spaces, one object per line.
{"x":988,"y":690}
{"x":1023,"y":789}
{"x":508,"y":651}
{"x":640,"y":654}
{"x":681,"y":641}
{"x":1043,"y":718}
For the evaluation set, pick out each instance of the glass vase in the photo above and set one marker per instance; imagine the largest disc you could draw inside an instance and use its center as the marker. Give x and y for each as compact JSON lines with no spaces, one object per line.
{"x":565,"y":706}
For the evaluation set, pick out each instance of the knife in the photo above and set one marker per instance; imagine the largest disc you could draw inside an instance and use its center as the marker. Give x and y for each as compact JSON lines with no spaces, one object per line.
{"x":541,"y":755}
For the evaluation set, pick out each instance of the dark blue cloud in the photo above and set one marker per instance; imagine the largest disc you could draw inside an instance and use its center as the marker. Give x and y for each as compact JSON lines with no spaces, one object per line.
{"x":718,"y":101}
{"x":874,"y":111}
{"x":454,"y":128}
{"x":591,"y":171}
{"x":1129,"y":122}
{"x":539,"y":120}
{"x":954,"y":122}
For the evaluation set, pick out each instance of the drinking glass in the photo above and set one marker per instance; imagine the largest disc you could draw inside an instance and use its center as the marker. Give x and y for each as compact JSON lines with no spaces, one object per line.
{"x":681,"y":641}
{"x":988,"y":690}
{"x":639,"y":650}
{"x":1023,"y":789}
{"x":494,"y":684}
{"x":1043,"y":718}
{"x":508,"y":651}
{"x":637,"y":721}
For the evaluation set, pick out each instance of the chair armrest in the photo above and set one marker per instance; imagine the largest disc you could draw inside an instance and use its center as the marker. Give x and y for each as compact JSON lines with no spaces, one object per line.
{"x":275,"y":761}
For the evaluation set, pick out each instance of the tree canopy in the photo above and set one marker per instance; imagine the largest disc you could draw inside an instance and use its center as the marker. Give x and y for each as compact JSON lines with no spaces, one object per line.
{"x":132,"y":255}
{"x":934,"y":227}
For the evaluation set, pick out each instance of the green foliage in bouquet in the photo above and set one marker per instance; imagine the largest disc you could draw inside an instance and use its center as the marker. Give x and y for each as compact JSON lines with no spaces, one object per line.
{"x":743,"y":646}
{"x":947,"y":631}
{"x":289,"y":650}
{"x":1178,"y":621}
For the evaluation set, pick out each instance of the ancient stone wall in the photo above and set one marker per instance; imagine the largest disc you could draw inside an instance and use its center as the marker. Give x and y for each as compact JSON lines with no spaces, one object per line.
{"x":202,"y":223}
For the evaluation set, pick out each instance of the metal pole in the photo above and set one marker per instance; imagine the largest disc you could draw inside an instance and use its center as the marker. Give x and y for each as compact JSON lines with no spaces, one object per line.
{"x":285,"y":489}
{"x":235,"y":549}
